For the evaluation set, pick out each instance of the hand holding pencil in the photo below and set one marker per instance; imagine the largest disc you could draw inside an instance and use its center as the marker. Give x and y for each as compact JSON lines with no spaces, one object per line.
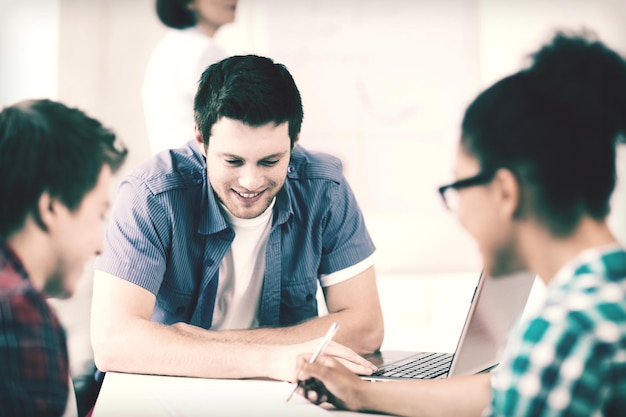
{"x":329,"y":380}
{"x":325,"y":341}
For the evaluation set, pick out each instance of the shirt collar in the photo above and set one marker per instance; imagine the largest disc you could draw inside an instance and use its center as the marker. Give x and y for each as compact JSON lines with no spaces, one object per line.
{"x":283,"y":210}
{"x":211,"y":218}
{"x":7,"y":255}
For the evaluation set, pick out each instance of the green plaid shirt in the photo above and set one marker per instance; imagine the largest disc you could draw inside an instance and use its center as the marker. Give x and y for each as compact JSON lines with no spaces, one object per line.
{"x":570,"y":359}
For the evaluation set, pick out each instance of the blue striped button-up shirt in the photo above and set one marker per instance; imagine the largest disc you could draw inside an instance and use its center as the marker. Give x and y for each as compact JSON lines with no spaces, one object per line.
{"x":167,"y":235}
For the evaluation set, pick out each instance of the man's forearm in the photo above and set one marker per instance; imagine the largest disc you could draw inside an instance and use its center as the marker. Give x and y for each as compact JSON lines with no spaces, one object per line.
{"x":182,"y":349}
{"x":152,"y":348}
{"x":354,"y":332}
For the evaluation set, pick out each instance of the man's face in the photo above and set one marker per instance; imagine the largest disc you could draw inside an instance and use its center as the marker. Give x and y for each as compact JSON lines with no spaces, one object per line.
{"x":488,"y":217}
{"x":247,"y":166}
{"x":78,"y":236}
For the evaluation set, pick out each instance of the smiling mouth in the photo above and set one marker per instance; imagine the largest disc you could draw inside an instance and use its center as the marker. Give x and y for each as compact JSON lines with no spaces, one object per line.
{"x":248,"y":195}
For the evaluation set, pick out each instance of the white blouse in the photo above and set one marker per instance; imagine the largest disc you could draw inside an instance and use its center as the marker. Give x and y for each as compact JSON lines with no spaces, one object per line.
{"x":170,"y":85}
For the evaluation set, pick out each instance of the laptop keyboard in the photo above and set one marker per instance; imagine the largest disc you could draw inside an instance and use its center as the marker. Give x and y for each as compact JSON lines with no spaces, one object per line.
{"x":427,"y":366}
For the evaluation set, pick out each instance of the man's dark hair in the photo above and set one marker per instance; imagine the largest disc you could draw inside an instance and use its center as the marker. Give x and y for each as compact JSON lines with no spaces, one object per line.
{"x":175,"y":14}
{"x":252,"y":89}
{"x":46,"y":146}
{"x":555,"y":125}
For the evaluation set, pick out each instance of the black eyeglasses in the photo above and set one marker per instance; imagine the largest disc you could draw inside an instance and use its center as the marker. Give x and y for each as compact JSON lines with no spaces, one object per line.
{"x":449,"y":193}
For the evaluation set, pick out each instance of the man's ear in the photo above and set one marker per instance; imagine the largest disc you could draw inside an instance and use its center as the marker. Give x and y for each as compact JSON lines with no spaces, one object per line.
{"x":44,"y":215}
{"x":199,"y":139}
{"x":508,"y":192}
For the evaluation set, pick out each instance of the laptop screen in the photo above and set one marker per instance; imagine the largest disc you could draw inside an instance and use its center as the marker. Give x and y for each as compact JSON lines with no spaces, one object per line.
{"x":498,"y":304}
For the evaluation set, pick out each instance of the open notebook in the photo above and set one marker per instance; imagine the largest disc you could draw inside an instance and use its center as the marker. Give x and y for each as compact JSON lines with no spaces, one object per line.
{"x":496,"y":306}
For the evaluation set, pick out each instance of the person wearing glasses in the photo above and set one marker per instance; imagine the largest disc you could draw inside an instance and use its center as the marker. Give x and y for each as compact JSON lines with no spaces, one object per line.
{"x":536,"y":167}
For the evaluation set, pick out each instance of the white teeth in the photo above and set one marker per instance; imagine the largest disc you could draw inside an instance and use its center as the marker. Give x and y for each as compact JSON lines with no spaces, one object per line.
{"x":248,"y":195}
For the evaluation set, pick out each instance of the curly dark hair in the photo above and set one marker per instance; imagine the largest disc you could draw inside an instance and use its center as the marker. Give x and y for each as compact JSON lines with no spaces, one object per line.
{"x":555,"y":125}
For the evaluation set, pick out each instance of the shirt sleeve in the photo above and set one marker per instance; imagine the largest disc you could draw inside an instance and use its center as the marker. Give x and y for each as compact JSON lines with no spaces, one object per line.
{"x":34,"y":371}
{"x":137,"y":237}
{"x":346,"y":239}
{"x":346,"y":274}
{"x":559,"y":368}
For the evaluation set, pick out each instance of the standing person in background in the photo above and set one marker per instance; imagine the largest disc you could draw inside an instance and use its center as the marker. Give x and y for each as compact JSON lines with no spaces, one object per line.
{"x":536,"y":167}
{"x":172,"y":75}
{"x":55,"y":164}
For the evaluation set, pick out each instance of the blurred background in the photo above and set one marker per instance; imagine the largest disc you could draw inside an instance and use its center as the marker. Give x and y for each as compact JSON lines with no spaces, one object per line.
{"x":384,"y":86}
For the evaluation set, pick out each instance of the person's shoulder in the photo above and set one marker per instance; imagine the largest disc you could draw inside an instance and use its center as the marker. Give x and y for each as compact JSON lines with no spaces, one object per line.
{"x":181,"y":40}
{"x":178,"y":46}
{"x":614,"y":264}
{"x":171,"y":169}
{"x":591,"y":304}
{"x":11,"y":281}
{"x":308,"y":164}
{"x":25,"y":303}
{"x":175,"y":36}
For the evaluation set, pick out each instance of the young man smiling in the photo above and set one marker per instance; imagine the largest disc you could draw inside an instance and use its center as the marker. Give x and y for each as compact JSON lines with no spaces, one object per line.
{"x":215,"y":250}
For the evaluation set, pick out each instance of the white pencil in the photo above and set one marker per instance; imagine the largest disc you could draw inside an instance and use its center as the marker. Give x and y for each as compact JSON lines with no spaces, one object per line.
{"x":325,"y":341}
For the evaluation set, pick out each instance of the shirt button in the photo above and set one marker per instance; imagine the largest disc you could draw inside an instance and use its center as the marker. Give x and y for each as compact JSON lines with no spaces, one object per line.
{"x":309,"y":297}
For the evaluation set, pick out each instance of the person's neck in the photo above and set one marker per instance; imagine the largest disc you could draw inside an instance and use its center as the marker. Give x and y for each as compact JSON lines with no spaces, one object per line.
{"x":545,"y":254}
{"x":207,"y":28}
{"x":32,"y":247}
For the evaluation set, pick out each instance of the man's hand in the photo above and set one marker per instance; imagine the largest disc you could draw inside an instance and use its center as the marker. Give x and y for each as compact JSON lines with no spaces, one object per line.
{"x":286,"y":358}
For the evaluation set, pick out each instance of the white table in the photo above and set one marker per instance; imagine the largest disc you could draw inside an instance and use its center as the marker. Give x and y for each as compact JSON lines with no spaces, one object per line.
{"x":426,"y":314}
{"x":134,"y":395}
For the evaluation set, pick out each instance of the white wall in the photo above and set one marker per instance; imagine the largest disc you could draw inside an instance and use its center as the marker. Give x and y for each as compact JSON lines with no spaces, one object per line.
{"x":104,"y":47}
{"x":28,"y":49}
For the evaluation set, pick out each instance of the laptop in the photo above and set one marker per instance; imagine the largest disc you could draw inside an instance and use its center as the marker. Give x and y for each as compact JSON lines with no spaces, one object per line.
{"x":495,"y":308}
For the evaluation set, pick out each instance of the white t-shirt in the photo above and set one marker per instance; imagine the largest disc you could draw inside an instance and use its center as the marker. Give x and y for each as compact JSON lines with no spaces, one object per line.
{"x":170,"y":85}
{"x":243,"y":267}
{"x":241,"y":272}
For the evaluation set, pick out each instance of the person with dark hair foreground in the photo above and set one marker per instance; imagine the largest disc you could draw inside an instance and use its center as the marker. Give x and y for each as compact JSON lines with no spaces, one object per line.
{"x":216,"y":249}
{"x":176,"y":64}
{"x":55,"y":164}
{"x":536,"y":168}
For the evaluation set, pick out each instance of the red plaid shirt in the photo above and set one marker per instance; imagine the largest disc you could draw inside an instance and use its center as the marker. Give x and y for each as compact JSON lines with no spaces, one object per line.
{"x":34,"y":374}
